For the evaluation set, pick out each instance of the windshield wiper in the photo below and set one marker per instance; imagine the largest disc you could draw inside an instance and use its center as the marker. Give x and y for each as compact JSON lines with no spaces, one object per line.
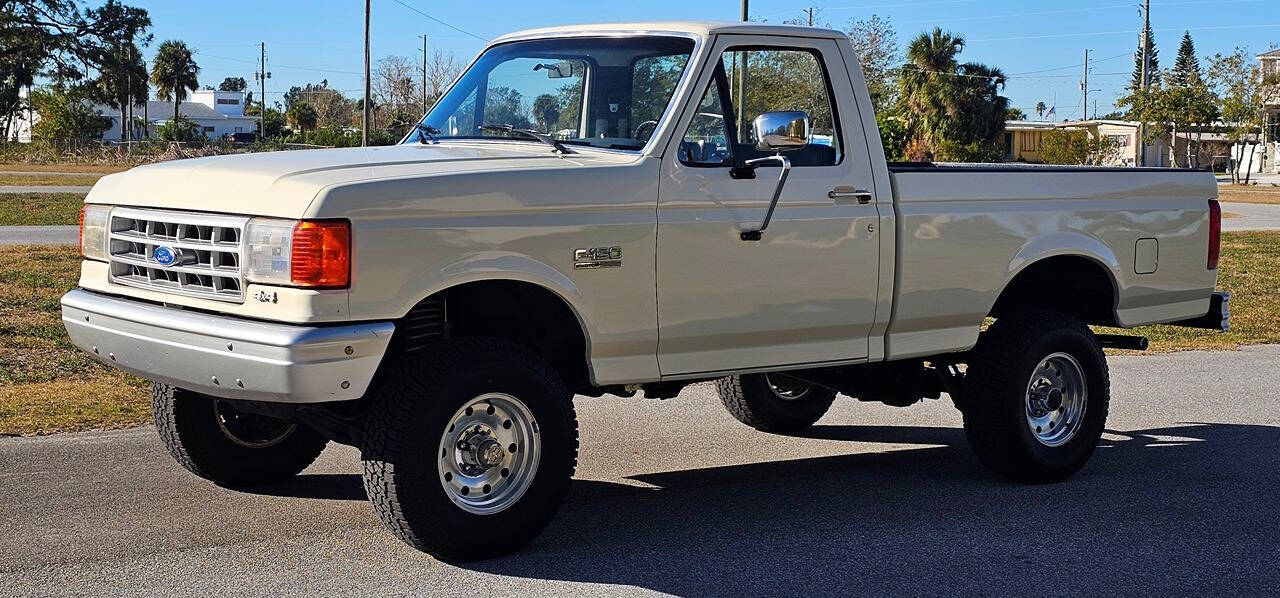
{"x":427,"y":131}
{"x":529,"y":134}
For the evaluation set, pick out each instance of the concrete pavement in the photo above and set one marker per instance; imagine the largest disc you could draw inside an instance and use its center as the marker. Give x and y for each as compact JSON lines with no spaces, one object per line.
{"x":39,"y":235}
{"x":1254,"y":216}
{"x":676,"y":497}
{"x":44,"y":189}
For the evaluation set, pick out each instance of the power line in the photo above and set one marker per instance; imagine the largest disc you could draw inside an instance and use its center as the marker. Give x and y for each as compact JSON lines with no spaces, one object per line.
{"x":1123,"y":32}
{"x":441,"y":22}
{"x":279,"y":66}
{"x":1075,"y":10}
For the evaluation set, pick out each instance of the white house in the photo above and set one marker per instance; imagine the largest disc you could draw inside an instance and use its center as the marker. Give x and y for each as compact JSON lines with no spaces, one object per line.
{"x":217,"y":113}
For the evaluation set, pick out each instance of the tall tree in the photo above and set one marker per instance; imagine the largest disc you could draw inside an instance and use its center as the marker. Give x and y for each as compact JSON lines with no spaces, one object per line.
{"x":1153,"y":66}
{"x":54,"y":39}
{"x":123,"y":82}
{"x":1040,"y":108}
{"x":175,"y":72}
{"x":233,"y":84}
{"x":953,"y":109}
{"x":1186,"y":67}
{"x":303,"y":116}
{"x":876,"y":43}
{"x":1242,"y":90}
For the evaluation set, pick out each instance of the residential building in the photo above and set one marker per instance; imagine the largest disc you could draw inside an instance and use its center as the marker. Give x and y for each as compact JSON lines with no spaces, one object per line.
{"x":1023,"y":138}
{"x":217,"y":113}
{"x":1270,"y":162}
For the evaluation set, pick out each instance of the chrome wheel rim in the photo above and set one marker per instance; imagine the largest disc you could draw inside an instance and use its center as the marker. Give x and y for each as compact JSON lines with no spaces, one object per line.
{"x":249,"y":430}
{"x":488,"y":454}
{"x":1056,"y":398}
{"x":787,"y":388}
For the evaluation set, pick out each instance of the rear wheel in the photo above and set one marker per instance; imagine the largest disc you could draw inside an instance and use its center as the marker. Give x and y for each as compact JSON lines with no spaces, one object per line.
{"x":216,"y":441}
{"x":774,"y":402}
{"x":1037,"y":394}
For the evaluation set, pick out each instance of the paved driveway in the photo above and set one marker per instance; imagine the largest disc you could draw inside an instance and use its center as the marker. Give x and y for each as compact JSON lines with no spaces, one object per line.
{"x":39,"y":235}
{"x":676,"y":497}
{"x":43,"y":189}
{"x":1254,"y":216}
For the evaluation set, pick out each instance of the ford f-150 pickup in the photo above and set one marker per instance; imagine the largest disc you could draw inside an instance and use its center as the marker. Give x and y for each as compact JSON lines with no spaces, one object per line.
{"x":621,"y":209}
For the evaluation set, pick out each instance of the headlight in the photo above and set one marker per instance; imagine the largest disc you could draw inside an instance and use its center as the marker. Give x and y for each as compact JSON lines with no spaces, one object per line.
{"x":303,"y":253}
{"x":94,"y":222}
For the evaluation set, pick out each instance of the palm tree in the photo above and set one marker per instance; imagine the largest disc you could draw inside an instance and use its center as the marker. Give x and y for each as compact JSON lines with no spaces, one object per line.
{"x":123,"y":82}
{"x":1040,"y":108}
{"x":174,"y":73}
{"x":928,"y":82}
{"x":303,"y":116}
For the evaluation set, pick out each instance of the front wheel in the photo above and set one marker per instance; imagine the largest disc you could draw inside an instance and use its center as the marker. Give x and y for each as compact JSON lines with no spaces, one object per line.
{"x":216,"y":441}
{"x":774,"y":402}
{"x":1036,"y":396}
{"x":469,"y":448}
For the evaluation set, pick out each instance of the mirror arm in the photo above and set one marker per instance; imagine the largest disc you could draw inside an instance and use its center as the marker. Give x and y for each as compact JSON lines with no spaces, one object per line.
{"x":755,"y":235}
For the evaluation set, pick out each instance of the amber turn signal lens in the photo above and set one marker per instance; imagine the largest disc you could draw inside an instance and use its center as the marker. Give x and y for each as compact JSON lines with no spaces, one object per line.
{"x":321,"y":254}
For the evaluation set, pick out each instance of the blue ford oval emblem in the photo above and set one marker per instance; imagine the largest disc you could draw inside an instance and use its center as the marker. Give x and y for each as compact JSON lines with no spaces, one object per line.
{"x":165,"y":256}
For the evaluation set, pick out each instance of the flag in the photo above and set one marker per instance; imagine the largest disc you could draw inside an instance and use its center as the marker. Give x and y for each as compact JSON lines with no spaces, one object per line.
{"x":1053,"y":111}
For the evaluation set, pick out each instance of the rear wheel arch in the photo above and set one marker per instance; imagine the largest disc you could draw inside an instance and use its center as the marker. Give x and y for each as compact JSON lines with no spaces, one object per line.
{"x":1081,"y":285}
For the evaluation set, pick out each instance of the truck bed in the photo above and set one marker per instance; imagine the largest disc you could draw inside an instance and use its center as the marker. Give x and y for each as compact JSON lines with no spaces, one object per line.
{"x":964,"y":231}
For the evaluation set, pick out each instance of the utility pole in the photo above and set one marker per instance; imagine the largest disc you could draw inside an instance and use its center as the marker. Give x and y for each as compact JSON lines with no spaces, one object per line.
{"x":1146,"y":78}
{"x":368,"y":87}
{"x":261,"y":76}
{"x":424,"y":74}
{"x":810,"y":13}
{"x":1084,"y":88}
{"x":740,"y":99}
{"x":745,"y":12}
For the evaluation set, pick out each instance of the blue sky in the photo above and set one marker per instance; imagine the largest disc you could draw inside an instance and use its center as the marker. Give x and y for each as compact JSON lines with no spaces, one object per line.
{"x":1039,"y":44}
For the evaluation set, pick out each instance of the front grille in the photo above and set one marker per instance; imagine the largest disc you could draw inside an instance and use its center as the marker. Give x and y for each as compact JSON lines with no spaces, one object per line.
{"x":208,"y":248}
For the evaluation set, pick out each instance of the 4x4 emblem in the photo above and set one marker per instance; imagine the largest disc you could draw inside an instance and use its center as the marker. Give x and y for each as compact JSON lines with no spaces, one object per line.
{"x":597,"y":257}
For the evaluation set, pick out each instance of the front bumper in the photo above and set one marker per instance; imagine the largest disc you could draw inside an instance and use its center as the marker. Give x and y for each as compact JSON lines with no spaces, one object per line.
{"x":224,"y":356}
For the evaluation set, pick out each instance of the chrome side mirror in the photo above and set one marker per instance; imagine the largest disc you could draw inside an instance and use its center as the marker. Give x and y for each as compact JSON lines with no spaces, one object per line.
{"x":781,"y":131}
{"x":777,"y":132}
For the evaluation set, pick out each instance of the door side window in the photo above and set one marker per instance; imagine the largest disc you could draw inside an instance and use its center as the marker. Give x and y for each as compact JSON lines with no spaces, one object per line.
{"x":777,"y":79}
{"x":706,"y":141}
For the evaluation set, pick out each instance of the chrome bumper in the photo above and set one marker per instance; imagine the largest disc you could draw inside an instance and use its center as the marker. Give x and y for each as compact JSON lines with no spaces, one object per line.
{"x":224,"y":356}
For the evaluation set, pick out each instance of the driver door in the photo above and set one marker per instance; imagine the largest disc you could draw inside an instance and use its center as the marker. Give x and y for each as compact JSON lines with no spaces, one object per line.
{"x":806,"y":292}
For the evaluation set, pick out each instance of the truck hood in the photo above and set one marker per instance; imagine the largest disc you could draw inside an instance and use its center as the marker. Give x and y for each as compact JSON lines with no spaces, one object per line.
{"x":285,"y":183}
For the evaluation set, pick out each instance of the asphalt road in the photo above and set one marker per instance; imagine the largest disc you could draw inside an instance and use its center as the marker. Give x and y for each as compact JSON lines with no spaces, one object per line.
{"x":39,"y":235}
{"x":676,"y":497}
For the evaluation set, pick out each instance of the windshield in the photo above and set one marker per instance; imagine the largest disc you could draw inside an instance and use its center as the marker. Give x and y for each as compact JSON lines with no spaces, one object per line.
{"x":602,"y":92}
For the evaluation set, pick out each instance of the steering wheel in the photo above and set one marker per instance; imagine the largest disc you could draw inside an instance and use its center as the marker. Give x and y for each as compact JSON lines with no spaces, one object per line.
{"x":648,"y":123}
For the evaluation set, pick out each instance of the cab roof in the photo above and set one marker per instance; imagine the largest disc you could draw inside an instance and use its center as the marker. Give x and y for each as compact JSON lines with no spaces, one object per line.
{"x":701,"y":29}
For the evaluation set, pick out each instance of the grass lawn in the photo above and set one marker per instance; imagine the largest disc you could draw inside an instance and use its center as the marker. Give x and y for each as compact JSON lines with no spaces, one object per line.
{"x":28,"y":209}
{"x":21,"y":180}
{"x":1250,"y":194}
{"x":98,"y":169}
{"x":46,"y":384}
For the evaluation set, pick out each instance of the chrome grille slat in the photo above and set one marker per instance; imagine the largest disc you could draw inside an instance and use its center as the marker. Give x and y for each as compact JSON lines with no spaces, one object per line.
{"x":213,"y":244}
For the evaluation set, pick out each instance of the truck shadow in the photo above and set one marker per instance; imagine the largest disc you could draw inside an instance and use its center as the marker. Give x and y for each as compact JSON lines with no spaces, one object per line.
{"x":1182,"y":508}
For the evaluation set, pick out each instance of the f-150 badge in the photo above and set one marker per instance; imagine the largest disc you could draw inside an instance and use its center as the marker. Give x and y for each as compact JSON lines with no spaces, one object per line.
{"x":597,"y":257}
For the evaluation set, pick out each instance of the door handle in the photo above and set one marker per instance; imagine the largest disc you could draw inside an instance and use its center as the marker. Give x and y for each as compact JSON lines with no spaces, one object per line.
{"x":839,"y":193}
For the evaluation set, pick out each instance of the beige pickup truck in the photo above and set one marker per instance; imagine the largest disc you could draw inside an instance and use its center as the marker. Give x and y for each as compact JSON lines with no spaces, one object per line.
{"x":621,"y":209}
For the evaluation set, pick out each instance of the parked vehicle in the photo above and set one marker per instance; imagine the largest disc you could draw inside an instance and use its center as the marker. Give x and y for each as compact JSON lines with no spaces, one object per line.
{"x":241,"y":137}
{"x":438,"y":303}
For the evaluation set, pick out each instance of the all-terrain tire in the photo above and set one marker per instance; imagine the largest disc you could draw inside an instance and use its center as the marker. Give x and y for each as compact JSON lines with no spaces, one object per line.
{"x":199,"y":432}
{"x":752,"y":400}
{"x":413,"y":403}
{"x":1003,"y":369}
